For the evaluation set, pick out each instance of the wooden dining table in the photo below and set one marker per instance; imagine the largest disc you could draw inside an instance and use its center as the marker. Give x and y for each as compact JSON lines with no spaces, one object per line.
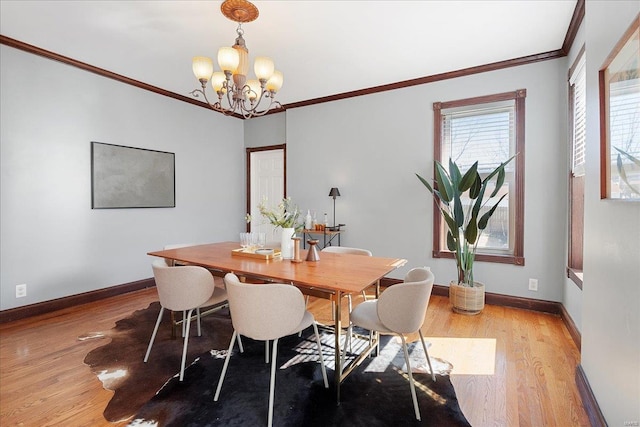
{"x":334,"y":276}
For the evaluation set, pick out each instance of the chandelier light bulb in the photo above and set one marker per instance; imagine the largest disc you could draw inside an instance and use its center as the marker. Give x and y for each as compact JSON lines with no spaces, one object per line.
{"x":263,"y":67}
{"x":275,"y":82}
{"x":217,"y":81}
{"x":228,"y":59}
{"x":255,"y":91}
{"x":202,"y":68}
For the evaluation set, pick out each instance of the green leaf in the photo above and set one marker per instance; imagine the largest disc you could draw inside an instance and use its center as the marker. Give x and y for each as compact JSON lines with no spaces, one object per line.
{"x":471,"y":233}
{"x":499,"y":183}
{"x":478,"y":204}
{"x":454,"y":172}
{"x":469,"y":178}
{"x":450,"y":222}
{"x":444,"y":185}
{"x":482,"y":224}
{"x":458,"y":212}
{"x":501,"y":166}
{"x":474,"y":191}
{"x":451,"y":242}
{"x":426,"y":183}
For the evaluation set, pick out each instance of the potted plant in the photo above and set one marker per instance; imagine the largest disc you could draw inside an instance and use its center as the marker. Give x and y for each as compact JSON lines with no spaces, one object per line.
{"x":465,"y":224}
{"x":284,"y":216}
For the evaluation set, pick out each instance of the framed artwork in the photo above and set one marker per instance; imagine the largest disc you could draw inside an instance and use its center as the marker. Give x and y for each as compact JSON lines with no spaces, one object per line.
{"x":128,"y":177}
{"x":619,"y":80}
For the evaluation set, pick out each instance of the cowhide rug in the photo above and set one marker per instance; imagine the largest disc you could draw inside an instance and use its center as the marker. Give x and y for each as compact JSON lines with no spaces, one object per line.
{"x":376,"y":394}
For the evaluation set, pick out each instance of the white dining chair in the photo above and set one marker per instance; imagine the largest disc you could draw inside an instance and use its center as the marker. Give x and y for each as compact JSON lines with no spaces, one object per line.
{"x":267,"y":312}
{"x":172,"y":263}
{"x":400,"y":310}
{"x":185,"y":288}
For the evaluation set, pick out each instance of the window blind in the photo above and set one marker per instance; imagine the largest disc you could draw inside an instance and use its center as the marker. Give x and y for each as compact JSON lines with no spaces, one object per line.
{"x":578,"y":128}
{"x":483,"y":134}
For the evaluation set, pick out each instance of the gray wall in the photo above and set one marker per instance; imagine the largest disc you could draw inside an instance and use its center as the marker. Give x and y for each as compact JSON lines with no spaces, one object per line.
{"x":611,"y":291}
{"x":51,"y":239}
{"x":370,"y":147}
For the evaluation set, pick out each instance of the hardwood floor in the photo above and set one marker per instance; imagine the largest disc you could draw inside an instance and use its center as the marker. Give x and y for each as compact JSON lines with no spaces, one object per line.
{"x":512,"y":367}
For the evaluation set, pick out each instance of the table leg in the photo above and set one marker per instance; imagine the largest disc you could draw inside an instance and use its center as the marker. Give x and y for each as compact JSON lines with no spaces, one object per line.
{"x":338,"y":354}
{"x":376,"y":334}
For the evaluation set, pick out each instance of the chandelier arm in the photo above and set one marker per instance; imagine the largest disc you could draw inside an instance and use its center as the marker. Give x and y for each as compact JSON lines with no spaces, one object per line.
{"x":196,"y":94}
{"x":231,"y":94}
{"x":265,"y":111}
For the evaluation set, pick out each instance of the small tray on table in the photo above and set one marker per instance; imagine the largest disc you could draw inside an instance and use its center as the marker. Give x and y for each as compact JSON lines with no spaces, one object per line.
{"x":265,"y":253}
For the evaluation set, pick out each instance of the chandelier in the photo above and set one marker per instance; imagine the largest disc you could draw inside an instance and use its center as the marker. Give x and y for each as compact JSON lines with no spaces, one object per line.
{"x":248,"y":98}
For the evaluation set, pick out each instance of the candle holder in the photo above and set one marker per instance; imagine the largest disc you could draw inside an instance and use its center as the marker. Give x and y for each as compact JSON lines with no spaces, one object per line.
{"x":296,"y":249}
{"x":312,"y":255}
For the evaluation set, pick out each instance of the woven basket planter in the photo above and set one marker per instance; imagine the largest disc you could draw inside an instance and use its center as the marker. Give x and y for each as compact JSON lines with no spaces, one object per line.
{"x":465,"y":299}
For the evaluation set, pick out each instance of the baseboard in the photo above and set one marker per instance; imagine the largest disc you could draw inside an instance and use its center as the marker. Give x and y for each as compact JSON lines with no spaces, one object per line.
{"x":571,"y":326}
{"x":44,"y":307}
{"x":552,"y":307}
{"x":589,"y":401}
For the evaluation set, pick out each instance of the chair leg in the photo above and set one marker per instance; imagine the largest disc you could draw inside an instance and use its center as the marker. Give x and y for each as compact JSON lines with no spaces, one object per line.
{"x":224,"y":367}
{"x":413,"y":387}
{"x":153,"y":335}
{"x":426,"y":353}
{"x":266,"y":351}
{"x":322,"y":367}
{"x":184,"y":347}
{"x":184,"y":320}
{"x":199,"y":327}
{"x":272,"y":383}
{"x":306,"y":304}
{"x":347,"y":344}
{"x":240,"y":344}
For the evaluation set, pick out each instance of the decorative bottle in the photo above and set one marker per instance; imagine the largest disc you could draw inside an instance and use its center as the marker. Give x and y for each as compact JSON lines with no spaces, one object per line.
{"x":308,"y":221}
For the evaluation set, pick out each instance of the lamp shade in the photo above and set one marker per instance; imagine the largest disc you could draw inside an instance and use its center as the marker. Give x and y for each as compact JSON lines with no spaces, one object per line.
{"x":275,"y":82}
{"x":228,"y":59}
{"x":263,"y":67}
{"x":202,"y":67}
{"x":334,"y":192}
{"x":217,"y":81}
{"x":255,"y":90}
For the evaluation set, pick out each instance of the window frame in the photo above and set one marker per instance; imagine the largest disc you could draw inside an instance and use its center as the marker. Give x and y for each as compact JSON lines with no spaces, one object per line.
{"x":576,"y":182}
{"x":518,"y":96}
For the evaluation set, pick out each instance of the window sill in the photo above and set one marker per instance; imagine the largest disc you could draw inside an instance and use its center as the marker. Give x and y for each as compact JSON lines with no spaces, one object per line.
{"x":575,"y":276}
{"x":501,"y":259}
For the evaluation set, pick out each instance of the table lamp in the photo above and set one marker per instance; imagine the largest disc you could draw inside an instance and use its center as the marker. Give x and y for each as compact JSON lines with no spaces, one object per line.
{"x":334,"y":192}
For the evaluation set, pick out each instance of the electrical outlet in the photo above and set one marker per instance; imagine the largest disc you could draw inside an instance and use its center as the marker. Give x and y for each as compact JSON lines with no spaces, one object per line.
{"x":533,"y":284}
{"x":21,"y":290}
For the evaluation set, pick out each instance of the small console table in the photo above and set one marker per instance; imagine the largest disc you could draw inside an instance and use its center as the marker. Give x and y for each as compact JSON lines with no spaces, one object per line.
{"x":327,"y":237}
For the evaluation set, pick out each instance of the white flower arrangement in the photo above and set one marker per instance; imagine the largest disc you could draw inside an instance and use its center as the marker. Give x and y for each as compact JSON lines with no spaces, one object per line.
{"x":285,"y":215}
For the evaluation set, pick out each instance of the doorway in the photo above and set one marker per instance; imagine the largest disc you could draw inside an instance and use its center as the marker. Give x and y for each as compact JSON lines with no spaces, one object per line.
{"x":266,"y":177}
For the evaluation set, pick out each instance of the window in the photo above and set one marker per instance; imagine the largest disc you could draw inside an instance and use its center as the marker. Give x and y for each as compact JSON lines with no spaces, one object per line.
{"x":577,"y":125}
{"x":489,"y":129}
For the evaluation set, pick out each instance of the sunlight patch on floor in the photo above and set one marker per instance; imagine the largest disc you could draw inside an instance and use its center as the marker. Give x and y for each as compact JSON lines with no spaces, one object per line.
{"x":469,"y":356}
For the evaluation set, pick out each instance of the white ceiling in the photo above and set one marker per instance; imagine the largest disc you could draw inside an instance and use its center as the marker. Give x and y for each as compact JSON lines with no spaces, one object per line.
{"x":323,"y":47}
